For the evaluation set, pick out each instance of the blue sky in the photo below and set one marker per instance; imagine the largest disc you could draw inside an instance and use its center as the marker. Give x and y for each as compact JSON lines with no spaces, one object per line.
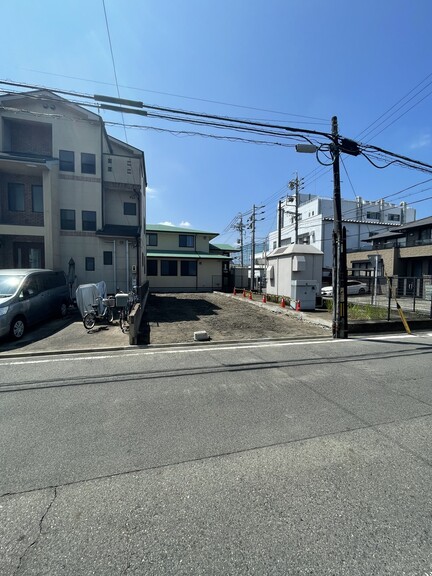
{"x":296,"y":63}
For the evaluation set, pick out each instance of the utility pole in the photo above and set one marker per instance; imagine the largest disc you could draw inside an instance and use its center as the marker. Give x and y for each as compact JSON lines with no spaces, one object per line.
{"x":340,"y":304}
{"x":252,"y":221}
{"x":240,"y":228}
{"x":295,"y":185}
{"x":280,"y":223}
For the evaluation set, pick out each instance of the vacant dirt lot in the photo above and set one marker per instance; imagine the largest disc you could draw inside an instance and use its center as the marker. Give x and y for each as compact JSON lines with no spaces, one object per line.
{"x":174,"y":318}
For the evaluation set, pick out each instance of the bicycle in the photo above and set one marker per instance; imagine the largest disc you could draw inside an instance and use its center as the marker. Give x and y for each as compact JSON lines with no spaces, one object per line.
{"x":125,"y":303}
{"x":90,"y":318}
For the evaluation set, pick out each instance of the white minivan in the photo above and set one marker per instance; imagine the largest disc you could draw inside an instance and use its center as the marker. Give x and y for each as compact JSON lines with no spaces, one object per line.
{"x":29,"y":296}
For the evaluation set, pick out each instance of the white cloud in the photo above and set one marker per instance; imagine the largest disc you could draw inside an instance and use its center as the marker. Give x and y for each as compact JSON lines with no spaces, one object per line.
{"x":183,"y":224}
{"x":151,"y":192}
{"x":422,"y":141}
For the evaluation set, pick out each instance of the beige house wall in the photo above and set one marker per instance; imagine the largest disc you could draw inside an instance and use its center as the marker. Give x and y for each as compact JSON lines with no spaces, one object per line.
{"x":77,"y":130}
{"x":388,"y":257}
{"x":208,"y":278}
{"x":170,"y":241}
{"x":114,"y":200}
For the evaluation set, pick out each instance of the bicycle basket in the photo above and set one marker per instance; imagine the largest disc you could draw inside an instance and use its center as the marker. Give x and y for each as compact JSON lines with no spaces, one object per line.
{"x":121,"y":300}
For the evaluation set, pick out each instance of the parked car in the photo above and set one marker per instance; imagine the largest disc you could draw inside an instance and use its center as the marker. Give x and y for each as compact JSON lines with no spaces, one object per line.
{"x":28,"y":296}
{"x":353,"y":287}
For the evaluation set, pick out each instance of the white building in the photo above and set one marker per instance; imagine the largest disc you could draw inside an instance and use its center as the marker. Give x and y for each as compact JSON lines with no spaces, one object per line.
{"x":69,"y":192}
{"x":361,"y":218}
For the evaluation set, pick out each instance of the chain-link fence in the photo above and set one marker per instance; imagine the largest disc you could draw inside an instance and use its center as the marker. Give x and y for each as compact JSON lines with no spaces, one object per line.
{"x":414,"y":295}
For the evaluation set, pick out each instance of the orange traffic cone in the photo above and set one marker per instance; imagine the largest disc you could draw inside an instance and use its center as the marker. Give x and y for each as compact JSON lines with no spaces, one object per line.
{"x":283,"y":303}
{"x":244,"y":293}
{"x":250,"y":295}
{"x":297,"y":305}
{"x":234,"y":292}
{"x":264,"y":299}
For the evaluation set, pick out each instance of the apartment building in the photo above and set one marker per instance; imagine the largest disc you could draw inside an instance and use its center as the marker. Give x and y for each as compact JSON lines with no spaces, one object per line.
{"x":311,"y":222}
{"x":404,"y":251}
{"x":72,"y":197}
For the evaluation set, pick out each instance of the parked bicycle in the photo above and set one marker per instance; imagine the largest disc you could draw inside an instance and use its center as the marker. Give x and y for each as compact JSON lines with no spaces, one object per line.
{"x":90,"y":318}
{"x":125,"y":304}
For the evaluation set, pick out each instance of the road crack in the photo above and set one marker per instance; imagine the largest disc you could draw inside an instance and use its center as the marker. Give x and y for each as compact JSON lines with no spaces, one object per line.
{"x":35,"y":541}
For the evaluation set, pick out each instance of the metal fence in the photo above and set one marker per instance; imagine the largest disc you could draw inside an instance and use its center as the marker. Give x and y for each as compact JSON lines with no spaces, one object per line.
{"x":414,"y":295}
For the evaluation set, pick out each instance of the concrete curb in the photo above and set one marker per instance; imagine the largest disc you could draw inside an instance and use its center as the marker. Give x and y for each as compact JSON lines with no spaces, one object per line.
{"x":99,"y":350}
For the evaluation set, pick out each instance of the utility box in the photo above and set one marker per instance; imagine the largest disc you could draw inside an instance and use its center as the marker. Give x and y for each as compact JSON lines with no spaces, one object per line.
{"x":304,"y":292}
{"x":295,"y":271}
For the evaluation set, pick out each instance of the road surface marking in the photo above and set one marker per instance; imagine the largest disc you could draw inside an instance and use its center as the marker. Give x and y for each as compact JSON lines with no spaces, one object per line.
{"x":207,"y":349}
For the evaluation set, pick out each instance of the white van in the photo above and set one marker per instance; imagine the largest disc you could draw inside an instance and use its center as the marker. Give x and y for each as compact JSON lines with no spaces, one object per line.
{"x":29,"y":296}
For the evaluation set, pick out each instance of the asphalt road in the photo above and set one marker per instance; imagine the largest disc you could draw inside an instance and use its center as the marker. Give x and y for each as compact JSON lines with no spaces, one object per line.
{"x":267,"y":458}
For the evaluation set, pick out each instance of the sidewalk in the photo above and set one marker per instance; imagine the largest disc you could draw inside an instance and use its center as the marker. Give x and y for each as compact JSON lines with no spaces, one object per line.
{"x":69,"y":335}
{"x":66,"y":336}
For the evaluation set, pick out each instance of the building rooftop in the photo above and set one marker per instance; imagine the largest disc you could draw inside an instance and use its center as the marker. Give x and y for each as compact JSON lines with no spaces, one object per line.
{"x":178,"y":230}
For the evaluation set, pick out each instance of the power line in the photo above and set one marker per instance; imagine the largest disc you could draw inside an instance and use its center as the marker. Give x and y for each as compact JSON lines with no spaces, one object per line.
{"x":301,"y":132}
{"x":368,"y":129}
{"x":323,"y":121}
{"x":113,"y":62}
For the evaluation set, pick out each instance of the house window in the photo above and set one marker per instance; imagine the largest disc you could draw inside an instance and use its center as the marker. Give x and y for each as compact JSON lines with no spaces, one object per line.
{"x":373,"y":215}
{"x":15,"y":197}
{"x":37,"y":198}
{"x":88,"y":220}
{"x":152,"y":239}
{"x":168,"y":267}
{"x":88,"y":163}
{"x":151,"y":267}
{"x":394,"y":217}
{"x":107,"y":258}
{"x":67,"y":160}
{"x":89,"y":264}
{"x":129,"y":209}
{"x":186,"y":241}
{"x":188,"y":268}
{"x":67,"y":219}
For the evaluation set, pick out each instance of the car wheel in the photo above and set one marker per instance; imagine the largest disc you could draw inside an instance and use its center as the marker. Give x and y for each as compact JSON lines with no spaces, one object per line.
{"x":18,"y":327}
{"x":362,"y":291}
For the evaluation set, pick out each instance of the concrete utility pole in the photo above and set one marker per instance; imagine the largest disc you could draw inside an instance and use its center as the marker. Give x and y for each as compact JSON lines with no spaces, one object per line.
{"x":280,"y":224}
{"x":240,"y":228}
{"x":252,"y":221}
{"x":295,"y":185}
{"x":340,"y":304}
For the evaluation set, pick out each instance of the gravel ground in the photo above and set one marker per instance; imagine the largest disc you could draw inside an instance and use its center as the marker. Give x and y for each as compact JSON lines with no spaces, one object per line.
{"x":174,"y":318}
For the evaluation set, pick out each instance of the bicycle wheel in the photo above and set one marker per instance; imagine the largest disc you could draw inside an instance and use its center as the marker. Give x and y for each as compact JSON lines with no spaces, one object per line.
{"x":109,"y":315}
{"x":89,"y":320}
{"x":123,"y":320}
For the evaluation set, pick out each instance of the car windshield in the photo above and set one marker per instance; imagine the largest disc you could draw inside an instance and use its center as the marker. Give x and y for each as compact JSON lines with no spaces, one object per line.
{"x":9,"y":284}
